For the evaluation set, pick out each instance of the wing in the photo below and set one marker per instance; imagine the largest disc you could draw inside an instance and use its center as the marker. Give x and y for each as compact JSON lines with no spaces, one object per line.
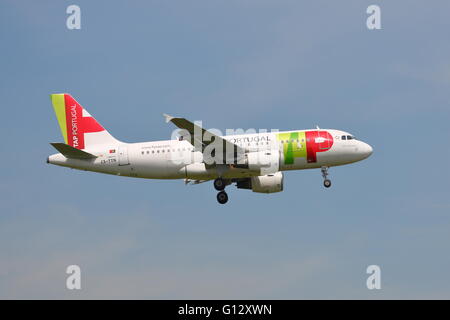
{"x":201,"y":138}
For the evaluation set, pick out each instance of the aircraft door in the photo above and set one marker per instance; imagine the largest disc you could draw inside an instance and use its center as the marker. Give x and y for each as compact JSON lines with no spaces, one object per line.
{"x":123,"y":156}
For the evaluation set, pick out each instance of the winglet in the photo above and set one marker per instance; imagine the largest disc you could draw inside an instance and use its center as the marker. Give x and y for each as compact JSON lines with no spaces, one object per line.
{"x":168,"y":118}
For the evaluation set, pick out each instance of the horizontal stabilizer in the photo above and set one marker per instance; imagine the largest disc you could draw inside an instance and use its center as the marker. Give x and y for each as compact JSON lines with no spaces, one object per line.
{"x":71,"y":152}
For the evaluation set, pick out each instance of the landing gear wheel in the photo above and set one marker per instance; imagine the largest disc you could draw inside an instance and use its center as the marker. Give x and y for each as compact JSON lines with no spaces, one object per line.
{"x":222,"y":197}
{"x":219,"y":184}
{"x":326,"y":182}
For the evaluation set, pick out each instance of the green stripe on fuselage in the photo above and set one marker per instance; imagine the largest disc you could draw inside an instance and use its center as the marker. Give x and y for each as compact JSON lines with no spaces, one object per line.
{"x":294,"y":145}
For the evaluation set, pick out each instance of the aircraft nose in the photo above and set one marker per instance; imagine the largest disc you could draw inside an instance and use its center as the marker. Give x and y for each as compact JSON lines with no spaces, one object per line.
{"x":366,"y":150}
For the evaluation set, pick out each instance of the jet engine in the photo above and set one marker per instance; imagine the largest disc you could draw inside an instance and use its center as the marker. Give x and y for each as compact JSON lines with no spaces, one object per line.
{"x":269,"y":183}
{"x":264,"y":162}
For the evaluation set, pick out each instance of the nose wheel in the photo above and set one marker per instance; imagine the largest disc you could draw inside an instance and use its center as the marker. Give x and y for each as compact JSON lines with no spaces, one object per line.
{"x":326,"y":181}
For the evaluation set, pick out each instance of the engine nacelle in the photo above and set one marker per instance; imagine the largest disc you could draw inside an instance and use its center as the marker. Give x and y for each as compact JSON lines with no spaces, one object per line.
{"x":264,"y":162}
{"x":267,"y":184}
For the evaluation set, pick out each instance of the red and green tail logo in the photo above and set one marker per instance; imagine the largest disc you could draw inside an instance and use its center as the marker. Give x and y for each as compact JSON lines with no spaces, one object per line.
{"x":74,"y":121}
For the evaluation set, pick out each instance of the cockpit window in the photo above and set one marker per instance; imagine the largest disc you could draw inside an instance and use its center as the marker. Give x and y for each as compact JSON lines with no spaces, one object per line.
{"x":344,"y":138}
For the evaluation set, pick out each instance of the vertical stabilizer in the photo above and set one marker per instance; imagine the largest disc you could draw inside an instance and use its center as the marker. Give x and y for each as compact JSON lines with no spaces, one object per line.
{"x":79,"y":129}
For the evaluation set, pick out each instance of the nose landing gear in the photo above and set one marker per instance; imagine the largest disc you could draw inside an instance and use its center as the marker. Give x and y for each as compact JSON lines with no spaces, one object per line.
{"x":219,"y":185}
{"x":326,"y":182}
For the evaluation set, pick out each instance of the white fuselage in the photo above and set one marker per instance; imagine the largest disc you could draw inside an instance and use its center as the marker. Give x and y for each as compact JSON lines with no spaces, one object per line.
{"x":175,"y":159}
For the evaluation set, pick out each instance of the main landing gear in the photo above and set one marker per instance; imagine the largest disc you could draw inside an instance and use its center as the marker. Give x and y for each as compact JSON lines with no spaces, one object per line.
{"x":222,"y":197}
{"x":219,"y":185}
{"x":326,"y":182}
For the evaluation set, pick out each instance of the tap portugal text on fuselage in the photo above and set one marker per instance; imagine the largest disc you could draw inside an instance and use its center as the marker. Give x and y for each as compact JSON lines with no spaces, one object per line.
{"x":253,"y":161}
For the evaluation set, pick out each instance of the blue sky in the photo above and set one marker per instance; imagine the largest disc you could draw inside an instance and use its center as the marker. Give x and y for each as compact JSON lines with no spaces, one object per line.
{"x":232,"y":64}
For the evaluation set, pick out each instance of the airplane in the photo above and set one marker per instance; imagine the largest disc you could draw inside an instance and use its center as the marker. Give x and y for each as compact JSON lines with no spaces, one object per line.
{"x":253,"y":161}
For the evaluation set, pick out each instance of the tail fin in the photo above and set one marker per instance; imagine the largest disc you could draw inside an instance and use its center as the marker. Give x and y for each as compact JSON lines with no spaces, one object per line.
{"x":79,"y":129}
